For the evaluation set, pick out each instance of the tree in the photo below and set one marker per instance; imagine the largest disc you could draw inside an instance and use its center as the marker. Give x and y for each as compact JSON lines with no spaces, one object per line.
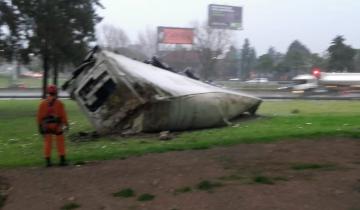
{"x":11,"y":45}
{"x":357,"y":61}
{"x":248,"y":60}
{"x":317,"y":61}
{"x":277,"y":65}
{"x":232,"y":63}
{"x":266,"y":63}
{"x":341,"y":56}
{"x":147,"y":42}
{"x":298,"y":58}
{"x":57,"y":30}
{"x":111,"y":37}
{"x":210,"y":44}
{"x":8,"y":29}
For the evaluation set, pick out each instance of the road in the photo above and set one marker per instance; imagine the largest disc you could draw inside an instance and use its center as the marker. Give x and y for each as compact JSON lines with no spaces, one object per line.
{"x":25,"y":93}
{"x":281,"y":94}
{"x":264,"y":94}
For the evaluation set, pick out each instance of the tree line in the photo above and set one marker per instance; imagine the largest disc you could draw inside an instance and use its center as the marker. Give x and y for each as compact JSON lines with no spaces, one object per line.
{"x":60,"y":32}
{"x":219,"y":58}
{"x":57,"y":31}
{"x":298,"y":59}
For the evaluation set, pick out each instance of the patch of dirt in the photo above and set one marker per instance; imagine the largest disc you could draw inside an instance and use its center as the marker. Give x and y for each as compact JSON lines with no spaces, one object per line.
{"x":4,"y":187}
{"x":296,"y":175}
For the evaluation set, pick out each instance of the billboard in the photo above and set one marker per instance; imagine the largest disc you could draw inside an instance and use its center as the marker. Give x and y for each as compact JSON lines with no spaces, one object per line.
{"x":225,"y":17}
{"x":172,"y":35}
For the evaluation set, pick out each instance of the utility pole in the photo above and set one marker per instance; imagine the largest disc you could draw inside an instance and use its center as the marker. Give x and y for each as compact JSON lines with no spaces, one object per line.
{"x":46,"y":69}
{"x":45,"y":50}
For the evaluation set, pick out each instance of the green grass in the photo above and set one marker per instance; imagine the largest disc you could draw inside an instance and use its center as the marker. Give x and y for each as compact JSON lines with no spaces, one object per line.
{"x":4,"y":81}
{"x":307,"y":166}
{"x":146,"y":197}
{"x":280,"y":178}
{"x":208,"y":185}
{"x":232,"y":177}
{"x":125,"y":193}
{"x":263,"y":180}
{"x":22,"y":146}
{"x":2,"y":200}
{"x":70,"y":206}
{"x":183,"y":190}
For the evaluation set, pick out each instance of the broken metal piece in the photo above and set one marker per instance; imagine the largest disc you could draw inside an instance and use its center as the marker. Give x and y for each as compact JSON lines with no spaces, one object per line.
{"x":119,"y":94}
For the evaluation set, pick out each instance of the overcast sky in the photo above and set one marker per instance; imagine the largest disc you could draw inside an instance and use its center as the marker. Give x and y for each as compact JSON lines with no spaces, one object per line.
{"x":266,"y":22}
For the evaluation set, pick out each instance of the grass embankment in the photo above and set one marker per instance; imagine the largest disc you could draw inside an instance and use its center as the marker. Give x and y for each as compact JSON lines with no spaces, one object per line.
{"x":20,"y":145}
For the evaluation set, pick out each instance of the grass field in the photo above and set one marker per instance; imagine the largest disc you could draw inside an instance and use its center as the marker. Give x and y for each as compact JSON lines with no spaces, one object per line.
{"x":5,"y":82}
{"x":20,"y":145}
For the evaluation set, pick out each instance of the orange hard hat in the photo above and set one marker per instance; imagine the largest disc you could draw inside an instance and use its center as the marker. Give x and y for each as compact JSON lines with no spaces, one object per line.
{"x":52,"y":89}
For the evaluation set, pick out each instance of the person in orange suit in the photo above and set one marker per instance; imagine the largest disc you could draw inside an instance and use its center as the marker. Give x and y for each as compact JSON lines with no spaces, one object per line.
{"x":52,"y":120}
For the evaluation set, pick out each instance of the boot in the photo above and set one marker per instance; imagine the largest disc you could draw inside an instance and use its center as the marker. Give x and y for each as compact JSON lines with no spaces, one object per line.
{"x":48,"y":162}
{"x":63,"y":161}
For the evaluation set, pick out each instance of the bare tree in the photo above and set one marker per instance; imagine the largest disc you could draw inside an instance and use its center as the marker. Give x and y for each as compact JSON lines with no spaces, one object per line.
{"x":147,"y":42}
{"x":211,"y":45}
{"x":112,"y":38}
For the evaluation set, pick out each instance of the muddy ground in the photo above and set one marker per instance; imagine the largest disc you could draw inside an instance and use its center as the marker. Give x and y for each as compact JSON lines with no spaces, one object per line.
{"x":288,"y":175}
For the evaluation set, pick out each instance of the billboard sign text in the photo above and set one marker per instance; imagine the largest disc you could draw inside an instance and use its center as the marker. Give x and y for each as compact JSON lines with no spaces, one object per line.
{"x":171,"y":35}
{"x":225,"y":17}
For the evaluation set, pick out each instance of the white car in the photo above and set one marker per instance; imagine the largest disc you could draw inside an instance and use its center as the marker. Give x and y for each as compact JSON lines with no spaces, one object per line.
{"x":234,"y":79}
{"x":257,"y":80}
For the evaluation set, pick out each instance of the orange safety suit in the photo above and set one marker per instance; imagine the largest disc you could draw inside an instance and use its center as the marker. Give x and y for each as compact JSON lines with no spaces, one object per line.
{"x":51,"y":119}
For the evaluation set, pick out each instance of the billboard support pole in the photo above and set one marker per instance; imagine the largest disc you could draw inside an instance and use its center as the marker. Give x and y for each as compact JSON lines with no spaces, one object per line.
{"x":157,"y":41}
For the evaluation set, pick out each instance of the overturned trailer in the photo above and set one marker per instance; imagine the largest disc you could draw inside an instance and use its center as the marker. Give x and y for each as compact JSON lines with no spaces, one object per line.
{"x":119,"y":94}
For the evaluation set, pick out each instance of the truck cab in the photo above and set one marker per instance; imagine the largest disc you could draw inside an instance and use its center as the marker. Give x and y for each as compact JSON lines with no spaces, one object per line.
{"x":304,"y":83}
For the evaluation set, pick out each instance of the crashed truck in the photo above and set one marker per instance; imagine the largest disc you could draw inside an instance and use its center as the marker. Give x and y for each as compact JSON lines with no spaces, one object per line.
{"x":120,"y":95}
{"x":326,"y":82}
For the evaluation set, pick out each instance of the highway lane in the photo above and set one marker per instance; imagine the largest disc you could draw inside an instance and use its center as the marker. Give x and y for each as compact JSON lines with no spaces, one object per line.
{"x":264,"y":94}
{"x":280,"y":94}
{"x":25,"y":93}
